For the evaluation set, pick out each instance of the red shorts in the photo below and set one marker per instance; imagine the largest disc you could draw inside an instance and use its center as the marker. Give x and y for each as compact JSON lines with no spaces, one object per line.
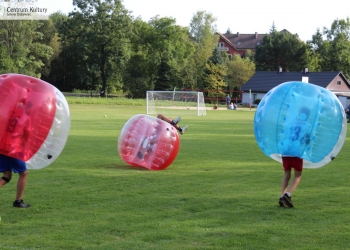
{"x":292,"y":162}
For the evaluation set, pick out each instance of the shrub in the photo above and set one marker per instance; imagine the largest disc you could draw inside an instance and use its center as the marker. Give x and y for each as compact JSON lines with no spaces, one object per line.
{"x":257,"y":101}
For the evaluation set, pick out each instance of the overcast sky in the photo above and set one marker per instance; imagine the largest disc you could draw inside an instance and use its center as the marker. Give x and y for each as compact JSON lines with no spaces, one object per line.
{"x":246,"y":17}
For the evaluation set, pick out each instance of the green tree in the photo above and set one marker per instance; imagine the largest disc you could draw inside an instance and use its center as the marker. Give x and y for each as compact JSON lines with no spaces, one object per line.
{"x":239,"y":71}
{"x":215,"y":79}
{"x":59,"y":19}
{"x":330,"y":50}
{"x":215,"y":73}
{"x":203,"y":35}
{"x":97,"y":34}
{"x":166,"y":77}
{"x":169,"y":49}
{"x":49,"y":29}
{"x":337,"y":47}
{"x":72,"y":68}
{"x":218,"y":57}
{"x":21,"y":47}
{"x":54,"y":70}
{"x":138,"y":77}
{"x":160,"y":54}
{"x":281,"y":49}
{"x":315,"y":52}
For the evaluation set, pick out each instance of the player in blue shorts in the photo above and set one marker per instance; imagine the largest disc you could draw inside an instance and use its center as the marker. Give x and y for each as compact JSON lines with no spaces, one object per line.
{"x":9,"y":165}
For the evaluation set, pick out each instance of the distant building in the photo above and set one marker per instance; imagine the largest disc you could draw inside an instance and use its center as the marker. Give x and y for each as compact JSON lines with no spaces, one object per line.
{"x":263,"y":81}
{"x":240,"y":43}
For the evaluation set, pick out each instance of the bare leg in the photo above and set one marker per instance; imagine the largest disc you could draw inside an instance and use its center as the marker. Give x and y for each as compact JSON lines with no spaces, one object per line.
{"x":167,"y":119}
{"x":164,"y":118}
{"x":21,"y":184}
{"x":285,"y":180}
{"x":8,"y":175}
{"x":295,"y":182}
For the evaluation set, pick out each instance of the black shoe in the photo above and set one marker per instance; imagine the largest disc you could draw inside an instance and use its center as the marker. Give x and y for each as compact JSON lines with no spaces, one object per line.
{"x":282,"y":203}
{"x":20,"y":204}
{"x":176,"y":121}
{"x":183,"y":129}
{"x":288,"y":200}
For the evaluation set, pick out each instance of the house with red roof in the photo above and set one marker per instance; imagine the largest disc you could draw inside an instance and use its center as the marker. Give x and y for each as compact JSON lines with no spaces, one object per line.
{"x":239,"y":43}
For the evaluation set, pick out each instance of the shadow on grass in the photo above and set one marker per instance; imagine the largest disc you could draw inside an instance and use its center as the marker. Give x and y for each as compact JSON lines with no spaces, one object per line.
{"x":123,"y":167}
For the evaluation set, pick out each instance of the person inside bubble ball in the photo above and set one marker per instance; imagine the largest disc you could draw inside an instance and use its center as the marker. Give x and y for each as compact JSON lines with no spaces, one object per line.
{"x":7,"y":166}
{"x":173,"y":123}
{"x":17,"y":131}
{"x":151,"y":140}
{"x":298,"y":137}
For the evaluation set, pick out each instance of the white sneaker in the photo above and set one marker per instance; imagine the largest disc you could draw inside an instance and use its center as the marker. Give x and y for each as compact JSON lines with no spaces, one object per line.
{"x":177,"y":120}
{"x":183,"y":129}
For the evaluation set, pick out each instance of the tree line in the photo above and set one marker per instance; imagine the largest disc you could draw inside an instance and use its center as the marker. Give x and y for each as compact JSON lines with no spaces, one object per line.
{"x":101,"y":47}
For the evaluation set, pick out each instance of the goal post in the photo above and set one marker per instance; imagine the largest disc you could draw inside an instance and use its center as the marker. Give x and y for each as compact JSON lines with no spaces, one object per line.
{"x":175,"y":103}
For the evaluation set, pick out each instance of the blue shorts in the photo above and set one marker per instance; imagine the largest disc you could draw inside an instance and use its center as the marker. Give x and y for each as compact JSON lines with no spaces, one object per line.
{"x":11,"y":164}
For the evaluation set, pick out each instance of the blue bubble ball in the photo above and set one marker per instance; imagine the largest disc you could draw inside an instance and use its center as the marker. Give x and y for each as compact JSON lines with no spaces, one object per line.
{"x":302,"y":120}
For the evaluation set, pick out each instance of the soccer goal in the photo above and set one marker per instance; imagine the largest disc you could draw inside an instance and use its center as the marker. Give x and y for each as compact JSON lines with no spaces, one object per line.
{"x":175,"y":103}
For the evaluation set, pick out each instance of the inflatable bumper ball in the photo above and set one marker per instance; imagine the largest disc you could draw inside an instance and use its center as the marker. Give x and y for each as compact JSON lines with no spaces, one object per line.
{"x":149,"y":142}
{"x":34,"y":120}
{"x":302,"y":120}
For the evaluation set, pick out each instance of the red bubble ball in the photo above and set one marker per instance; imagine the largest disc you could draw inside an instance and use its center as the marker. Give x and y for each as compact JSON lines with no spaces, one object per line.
{"x":149,"y":142}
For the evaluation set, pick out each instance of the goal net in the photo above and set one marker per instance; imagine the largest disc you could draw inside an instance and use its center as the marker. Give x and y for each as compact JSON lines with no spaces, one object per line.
{"x":175,"y":103}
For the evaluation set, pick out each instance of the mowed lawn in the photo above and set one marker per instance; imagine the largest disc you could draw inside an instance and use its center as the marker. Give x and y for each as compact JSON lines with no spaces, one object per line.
{"x":221,"y":192}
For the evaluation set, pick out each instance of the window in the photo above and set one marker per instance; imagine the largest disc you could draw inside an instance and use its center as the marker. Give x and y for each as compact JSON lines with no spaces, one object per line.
{"x":338,"y":83}
{"x":230,"y":56}
{"x":221,"y":45}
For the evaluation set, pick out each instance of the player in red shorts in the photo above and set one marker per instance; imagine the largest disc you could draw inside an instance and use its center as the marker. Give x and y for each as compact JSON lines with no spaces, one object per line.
{"x":297,"y":138}
{"x":289,"y":163}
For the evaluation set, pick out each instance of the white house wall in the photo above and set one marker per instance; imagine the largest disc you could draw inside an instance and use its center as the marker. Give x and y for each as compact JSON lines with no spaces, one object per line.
{"x":247,"y":98}
{"x":343,"y":100}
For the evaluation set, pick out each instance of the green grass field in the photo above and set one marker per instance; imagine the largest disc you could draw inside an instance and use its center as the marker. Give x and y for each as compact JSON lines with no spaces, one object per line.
{"x":221,"y":192}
